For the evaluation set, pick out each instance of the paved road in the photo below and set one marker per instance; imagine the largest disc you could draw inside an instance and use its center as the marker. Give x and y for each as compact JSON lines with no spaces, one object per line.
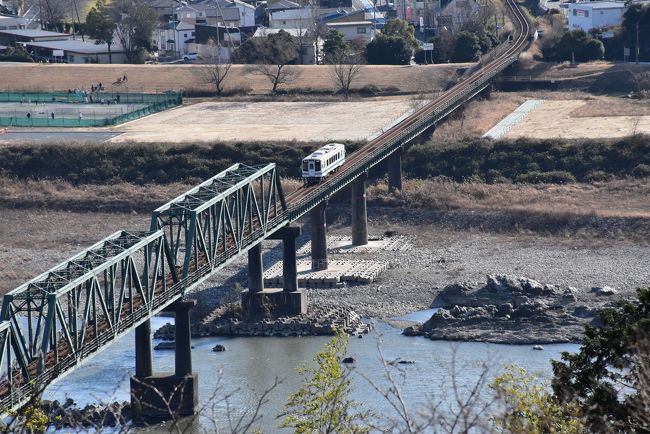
{"x":18,"y":136}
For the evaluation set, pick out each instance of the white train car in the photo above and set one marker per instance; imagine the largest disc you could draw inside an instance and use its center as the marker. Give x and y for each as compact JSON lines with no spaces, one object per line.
{"x":317,"y":165}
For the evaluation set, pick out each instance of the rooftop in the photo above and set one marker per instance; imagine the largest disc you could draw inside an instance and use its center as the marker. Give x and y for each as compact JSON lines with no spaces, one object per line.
{"x":282,"y":4}
{"x":30,"y":33}
{"x":602,"y":5}
{"x":77,"y":46}
{"x":349,"y":23}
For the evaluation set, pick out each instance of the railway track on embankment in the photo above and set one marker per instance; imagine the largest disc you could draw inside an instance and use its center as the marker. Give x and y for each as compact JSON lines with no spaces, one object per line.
{"x":375,"y":151}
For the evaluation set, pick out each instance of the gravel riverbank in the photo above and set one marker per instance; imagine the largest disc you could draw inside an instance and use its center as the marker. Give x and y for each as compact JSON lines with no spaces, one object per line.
{"x":438,"y":256}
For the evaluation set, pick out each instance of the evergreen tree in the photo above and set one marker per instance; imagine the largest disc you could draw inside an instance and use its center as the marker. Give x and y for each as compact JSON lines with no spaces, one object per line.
{"x":610,"y":376}
{"x":100,"y":26}
{"x":334,"y":45}
{"x":322,"y":403}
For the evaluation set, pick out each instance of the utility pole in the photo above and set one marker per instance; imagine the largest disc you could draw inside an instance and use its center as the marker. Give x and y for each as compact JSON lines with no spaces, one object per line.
{"x":637,"y":43}
{"x":72,"y":18}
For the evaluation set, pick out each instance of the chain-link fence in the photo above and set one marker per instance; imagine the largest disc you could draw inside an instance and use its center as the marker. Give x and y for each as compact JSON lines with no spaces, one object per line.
{"x":81,"y":109}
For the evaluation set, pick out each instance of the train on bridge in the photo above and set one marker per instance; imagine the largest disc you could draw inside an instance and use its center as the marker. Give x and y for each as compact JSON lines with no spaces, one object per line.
{"x":317,"y":165}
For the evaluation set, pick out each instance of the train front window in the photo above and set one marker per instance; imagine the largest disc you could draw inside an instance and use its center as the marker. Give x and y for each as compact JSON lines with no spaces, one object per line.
{"x":317,"y":166}
{"x":311,"y":165}
{"x":305,"y":166}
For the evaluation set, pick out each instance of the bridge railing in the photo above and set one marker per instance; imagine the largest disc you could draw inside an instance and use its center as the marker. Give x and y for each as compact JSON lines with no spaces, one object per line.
{"x":53,"y":322}
{"x":222,"y":216}
{"x":75,"y":308}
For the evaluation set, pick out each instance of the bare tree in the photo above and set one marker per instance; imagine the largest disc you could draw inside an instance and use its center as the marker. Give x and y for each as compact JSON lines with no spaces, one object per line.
{"x":278,"y":74}
{"x":345,"y":70}
{"x":278,"y":51}
{"x":215,"y":71}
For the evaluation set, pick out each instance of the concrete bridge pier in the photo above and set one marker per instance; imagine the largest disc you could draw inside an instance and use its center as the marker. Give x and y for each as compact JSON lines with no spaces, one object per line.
{"x":395,"y":171}
{"x":288,"y":301}
{"x":359,"y":211}
{"x":156,"y":398}
{"x":255,"y":269}
{"x":319,"y":237}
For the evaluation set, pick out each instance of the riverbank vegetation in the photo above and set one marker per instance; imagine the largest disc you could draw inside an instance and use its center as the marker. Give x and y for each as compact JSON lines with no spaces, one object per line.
{"x":551,"y":161}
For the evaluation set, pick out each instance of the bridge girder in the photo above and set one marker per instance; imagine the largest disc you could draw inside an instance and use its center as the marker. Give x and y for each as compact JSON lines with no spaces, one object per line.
{"x":221,"y":217}
{"x":71,"y":311}
{"x":59,"y":319}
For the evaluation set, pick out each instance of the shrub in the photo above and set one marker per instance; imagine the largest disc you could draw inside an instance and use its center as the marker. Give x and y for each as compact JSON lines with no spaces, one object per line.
{"x":388,"y":50}
{"x":552,"y":177}
{"x":597,"y":176}
{"x":529,"y":408}
{"x":577,"y":45}
{"x":641,"y":171}
{"x":528,"y":160}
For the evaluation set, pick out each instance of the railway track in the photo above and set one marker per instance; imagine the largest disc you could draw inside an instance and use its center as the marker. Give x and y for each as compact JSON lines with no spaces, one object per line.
{"x":17,"y":385}
{"x":503,"y":59}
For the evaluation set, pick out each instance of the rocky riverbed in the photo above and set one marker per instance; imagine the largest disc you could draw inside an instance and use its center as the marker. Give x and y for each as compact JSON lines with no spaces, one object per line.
{"x":443,"y":252}
{"x":228,"y":321}
{"x":438,"y":258}
{"x":511,"y":309}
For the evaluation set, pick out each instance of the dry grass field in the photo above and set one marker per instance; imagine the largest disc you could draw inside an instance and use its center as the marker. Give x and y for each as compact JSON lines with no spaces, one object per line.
{"x":151,"y":78}
{"x":602,"y":117}
{"x":275,"y":121}
{"x":563,"y":70}
{"x":578,"y":199}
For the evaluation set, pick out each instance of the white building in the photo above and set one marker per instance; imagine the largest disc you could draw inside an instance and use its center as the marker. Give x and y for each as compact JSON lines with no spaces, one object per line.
{"x":595,"y":15}
{"x":12,"y":23}
{"x":176,"y":38}
{"x":355,"y":30}
{"x":285,"y":19}
{"x":77,"y":51}
{"x":229,"y":13}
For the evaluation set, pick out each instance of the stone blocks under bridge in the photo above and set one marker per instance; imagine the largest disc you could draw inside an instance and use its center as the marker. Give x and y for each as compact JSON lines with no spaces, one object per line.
{"x":158,"y":398}
{"x":274,"y":303}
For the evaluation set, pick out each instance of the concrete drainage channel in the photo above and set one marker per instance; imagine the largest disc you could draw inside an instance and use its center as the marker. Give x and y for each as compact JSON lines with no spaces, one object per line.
{"x":510,"y":121}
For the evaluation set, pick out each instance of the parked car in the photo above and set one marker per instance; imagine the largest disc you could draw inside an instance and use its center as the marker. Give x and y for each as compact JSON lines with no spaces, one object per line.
{"x":190,"y":57}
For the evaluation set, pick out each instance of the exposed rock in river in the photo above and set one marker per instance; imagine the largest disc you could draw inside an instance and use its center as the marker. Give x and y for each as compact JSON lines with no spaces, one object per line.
{"x":508,"y":309}
{"x":319,"y":320}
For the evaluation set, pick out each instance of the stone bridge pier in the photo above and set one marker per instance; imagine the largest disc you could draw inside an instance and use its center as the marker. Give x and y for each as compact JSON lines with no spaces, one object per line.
{"x":288,"y":301}
{"x":156,"y":398}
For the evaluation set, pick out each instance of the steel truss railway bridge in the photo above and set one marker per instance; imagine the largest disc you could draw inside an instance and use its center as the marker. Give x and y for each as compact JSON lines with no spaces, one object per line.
{"x":53,"y":323}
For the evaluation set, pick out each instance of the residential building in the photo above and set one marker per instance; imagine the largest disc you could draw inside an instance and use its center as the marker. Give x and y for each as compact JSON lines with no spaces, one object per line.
{"x":355,"y":30}
{"x":302,"y":18}
{"x":13,"y":37}
{"x":281,"y":5}
{"x":10,"y":22}
{"x":76,"y":51}
{"x":595,"y":15}
{"x":225,"y":39}
{"x":175,"y":38}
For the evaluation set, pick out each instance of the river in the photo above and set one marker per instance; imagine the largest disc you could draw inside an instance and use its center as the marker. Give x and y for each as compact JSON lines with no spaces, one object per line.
{"x":251,"y":365}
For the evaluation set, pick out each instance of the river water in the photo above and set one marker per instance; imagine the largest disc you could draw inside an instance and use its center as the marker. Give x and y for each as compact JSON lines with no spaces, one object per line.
{"x":251,"y":365}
